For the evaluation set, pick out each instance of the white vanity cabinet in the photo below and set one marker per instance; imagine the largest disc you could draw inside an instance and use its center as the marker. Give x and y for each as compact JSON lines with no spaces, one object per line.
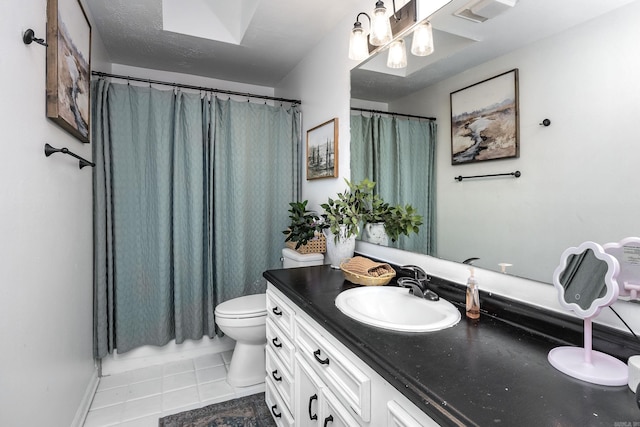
{"x":322,"y":383}
{"x":315,"y":404}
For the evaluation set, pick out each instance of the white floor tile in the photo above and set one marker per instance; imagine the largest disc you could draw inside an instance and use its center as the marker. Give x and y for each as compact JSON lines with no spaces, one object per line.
{"x":150,"y":421}
{"x":116,"y":380}
{"x":215,"y":373}
{"x":178,"y":367}
{"x":179,"y":398}
{"x":208,"y":361}
{"x":109,"y":397}
{"x":248,"y":391}
{"x":139,"y":398}
{"x":217,"y":391}
{"x":142,"y":407}
{"x":145,"y":389}
{"x":178,"y":381}
{"x":102,"y":417}
{"x":226,"y":356}
{"x":146,"y":374}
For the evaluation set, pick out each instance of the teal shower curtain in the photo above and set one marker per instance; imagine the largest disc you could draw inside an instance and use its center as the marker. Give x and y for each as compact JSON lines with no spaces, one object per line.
{"x":399,"y":155}
{"x":189,"y":198}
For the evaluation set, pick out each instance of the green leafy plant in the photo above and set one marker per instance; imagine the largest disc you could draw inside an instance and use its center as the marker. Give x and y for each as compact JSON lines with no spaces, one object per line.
{"x":402,"y":220}
{"x":304,"y":224}
{"x":348,"y":209}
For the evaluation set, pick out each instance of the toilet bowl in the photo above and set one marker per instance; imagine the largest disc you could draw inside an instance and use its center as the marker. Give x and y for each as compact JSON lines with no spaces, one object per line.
{"x":244,"y":320}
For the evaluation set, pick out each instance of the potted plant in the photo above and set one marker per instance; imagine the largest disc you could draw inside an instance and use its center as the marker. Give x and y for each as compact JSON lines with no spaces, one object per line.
{"x":343,"y":217}
{"x":304,"y":228}
{"x":402,"y":220}
{"x":384,"y":222}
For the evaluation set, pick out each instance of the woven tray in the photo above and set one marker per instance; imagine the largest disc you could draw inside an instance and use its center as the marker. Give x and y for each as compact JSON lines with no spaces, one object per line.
{"x":318,"y":245}
{"x":360,"y":279}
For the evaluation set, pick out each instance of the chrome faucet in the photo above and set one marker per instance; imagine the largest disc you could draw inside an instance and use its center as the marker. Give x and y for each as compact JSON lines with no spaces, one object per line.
{"x":418,"y":283}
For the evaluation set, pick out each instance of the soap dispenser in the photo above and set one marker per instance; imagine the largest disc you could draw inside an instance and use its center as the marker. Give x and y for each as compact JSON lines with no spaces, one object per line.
{"x":473,"y":297}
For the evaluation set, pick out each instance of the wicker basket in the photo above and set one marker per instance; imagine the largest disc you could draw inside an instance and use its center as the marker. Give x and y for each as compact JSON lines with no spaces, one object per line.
{"x":317,"y":245}
{"x":360,"y":279}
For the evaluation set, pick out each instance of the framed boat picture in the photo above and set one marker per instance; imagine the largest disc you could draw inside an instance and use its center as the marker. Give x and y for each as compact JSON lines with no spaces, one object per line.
{"x":322,"y":150}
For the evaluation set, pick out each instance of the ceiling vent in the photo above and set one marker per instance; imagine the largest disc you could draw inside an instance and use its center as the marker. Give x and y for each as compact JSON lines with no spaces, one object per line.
{"x":482,"y":10}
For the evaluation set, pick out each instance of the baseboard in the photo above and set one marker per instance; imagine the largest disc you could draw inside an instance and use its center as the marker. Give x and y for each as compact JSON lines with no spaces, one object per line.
{"x":85,"y":403}
{"x":145,"y":356}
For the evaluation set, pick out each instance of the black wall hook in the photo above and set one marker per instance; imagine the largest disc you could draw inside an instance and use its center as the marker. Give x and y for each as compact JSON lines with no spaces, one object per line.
{"x":49,"y":150}
{"x":545,"y":122}
{"x":29,"y":36}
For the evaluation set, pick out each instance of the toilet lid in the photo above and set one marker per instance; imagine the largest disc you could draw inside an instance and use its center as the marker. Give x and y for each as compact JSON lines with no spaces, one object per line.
{"x":246,"y":306}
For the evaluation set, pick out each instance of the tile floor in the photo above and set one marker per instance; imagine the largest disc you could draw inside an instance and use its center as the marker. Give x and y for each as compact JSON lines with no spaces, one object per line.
{"x":139,"y":398}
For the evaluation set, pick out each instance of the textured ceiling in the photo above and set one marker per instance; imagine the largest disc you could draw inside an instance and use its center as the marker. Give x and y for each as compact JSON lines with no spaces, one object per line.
{"x":277,"y":38}
{"x":281,"y":32}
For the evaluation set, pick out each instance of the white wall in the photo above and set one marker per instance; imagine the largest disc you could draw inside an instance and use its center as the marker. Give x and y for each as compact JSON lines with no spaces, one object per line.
{"x":322,"y":82}
{"x":575,"y":173}
{"x":46,"y":245}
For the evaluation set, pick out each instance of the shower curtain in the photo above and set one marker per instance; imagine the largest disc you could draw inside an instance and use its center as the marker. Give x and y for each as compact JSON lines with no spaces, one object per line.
{"x":190,"y":195}
{"x":399,"y":155}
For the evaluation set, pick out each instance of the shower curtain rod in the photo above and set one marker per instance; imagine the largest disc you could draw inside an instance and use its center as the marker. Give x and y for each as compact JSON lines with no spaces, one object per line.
{"x":393,"y":114}
{"x":202,"y":88}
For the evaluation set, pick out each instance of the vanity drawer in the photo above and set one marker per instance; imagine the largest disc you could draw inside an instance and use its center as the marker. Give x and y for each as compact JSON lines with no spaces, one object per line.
{"x":281,"y":379}
{"x":278,"y":409}
{"x":345,"y":379}
{"x":281,"y":346}
{"x":280,"y":313}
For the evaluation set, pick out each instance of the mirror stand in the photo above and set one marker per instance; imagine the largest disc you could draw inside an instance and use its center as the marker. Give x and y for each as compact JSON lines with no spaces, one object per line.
{"x":586,"y":282}
{"x":587,"y":364}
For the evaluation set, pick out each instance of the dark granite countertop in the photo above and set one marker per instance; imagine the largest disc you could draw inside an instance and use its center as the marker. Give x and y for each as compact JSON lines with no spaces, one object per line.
{"x":482,"y":373}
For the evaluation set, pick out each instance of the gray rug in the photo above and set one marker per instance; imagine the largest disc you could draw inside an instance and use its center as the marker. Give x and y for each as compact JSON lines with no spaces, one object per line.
{"x":249,"y":411}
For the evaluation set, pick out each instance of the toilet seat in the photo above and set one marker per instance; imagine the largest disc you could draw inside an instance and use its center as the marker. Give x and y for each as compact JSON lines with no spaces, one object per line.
{"x":245,"y":307}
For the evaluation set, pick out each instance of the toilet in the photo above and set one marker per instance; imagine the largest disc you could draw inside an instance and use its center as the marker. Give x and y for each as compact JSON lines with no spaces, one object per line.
{"x":244,"y":320}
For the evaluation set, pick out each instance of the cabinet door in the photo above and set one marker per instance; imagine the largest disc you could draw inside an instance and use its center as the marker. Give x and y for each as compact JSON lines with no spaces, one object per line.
{"x":308,"y":392}
{"x":334,"y":413}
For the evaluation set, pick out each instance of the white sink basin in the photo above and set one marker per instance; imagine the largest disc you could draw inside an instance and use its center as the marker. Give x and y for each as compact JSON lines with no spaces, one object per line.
{"x":395,"y":308}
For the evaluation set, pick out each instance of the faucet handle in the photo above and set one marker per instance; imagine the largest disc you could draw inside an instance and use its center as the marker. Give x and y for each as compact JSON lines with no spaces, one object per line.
{"x":418,"y":273}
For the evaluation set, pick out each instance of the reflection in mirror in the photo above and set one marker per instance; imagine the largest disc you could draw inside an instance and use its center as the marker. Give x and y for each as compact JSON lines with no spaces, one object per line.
{"x":575,"y":70}
{"x":398,"y":154}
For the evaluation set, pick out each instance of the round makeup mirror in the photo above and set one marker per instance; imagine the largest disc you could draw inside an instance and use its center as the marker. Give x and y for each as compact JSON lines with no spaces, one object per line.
{"x":586,"y":282}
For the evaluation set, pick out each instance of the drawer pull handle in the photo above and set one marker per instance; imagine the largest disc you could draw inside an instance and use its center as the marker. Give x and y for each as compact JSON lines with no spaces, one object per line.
{"x":274,"y":373}
{"x":277,"y":311}
{"x":328,"y":420}
{"x":273,"y":411}
{"x":322,"y":362}
{"x":276,"y":343}
{"x":311,"y":399}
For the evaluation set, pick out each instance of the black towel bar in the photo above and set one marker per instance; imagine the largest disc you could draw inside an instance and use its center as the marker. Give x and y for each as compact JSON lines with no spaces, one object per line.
{"x":49,"y":150}
{"x":515,"y":174}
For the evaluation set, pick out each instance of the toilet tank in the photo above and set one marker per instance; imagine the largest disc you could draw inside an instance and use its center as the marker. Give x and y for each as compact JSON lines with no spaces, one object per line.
{"x":292,"y":259}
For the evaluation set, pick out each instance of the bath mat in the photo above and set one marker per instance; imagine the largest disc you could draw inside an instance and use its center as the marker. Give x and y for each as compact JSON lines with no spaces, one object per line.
{"x":248,"y":411}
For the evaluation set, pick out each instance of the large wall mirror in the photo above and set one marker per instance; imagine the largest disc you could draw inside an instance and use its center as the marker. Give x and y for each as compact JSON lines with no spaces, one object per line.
{"x":577,"y":65}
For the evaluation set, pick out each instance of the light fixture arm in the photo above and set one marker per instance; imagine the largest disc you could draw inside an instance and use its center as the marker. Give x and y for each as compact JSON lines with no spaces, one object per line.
{"x":358,"y":24}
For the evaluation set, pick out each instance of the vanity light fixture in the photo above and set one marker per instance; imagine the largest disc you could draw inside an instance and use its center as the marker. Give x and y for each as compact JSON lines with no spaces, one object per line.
{"x":383,"y":30}
{"x":358,"y":42}
{"x":380,"y":26}
{"x":397,"y":54}
{"x":422,"y":44}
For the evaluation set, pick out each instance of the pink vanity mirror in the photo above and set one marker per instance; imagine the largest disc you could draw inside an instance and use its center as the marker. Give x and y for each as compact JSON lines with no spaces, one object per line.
{"x":586,"y":282}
